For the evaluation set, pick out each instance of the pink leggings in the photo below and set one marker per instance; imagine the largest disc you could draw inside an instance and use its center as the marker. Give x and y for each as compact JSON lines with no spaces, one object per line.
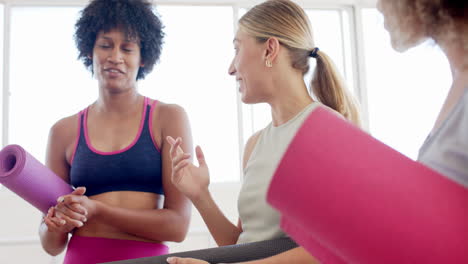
{"x":92,"y":250}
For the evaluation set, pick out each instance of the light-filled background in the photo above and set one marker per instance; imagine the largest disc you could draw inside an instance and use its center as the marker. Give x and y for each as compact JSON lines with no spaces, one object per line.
{"x":42,"y":81}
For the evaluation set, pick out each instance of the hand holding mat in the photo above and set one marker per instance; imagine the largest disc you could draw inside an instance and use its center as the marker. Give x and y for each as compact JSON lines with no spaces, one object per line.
{"x":341,"y":192}
{"x":28,"y":178}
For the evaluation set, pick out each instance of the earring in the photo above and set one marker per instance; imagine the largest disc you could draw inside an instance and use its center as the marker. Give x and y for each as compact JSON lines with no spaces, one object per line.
{"x":268,"y":63}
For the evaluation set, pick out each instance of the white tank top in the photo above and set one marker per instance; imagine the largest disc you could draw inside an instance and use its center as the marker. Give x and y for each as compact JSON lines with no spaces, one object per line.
{"x":259,"y":220}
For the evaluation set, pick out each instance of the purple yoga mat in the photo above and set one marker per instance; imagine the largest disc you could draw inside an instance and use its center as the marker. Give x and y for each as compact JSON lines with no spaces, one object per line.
{"x":31,"y":180}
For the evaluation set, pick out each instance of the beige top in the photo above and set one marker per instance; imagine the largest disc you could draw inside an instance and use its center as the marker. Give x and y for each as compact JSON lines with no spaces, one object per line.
{"x":259,"y":220}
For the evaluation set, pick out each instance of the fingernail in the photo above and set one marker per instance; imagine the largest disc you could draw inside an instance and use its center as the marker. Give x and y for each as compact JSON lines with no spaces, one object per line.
{"x":84,"y":220}
{"x":170,"y":259}
{"x":60,"y":199}
{"x":62,"y":222}
{"x":80,"y":224}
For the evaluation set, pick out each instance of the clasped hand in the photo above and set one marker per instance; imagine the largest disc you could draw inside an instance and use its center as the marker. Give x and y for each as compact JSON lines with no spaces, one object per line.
{"x":72,"y":211}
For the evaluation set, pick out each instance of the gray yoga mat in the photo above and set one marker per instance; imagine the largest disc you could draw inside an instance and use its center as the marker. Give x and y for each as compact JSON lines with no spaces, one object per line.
{"x":226,"y":254}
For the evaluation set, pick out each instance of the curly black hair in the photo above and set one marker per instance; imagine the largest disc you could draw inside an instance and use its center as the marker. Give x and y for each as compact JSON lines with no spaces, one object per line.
{"x":135,"y":17}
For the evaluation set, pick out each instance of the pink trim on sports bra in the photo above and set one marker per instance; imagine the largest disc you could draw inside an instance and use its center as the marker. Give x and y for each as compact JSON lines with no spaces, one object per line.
{"x":151,"y":125}
{"x":88,"y":141}
{"x":77,"y":136}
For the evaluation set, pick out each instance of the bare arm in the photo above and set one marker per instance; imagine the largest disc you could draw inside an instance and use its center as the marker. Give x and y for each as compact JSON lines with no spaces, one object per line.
{"x":223,"y":231}
{"x":53,"y":232}
{"x":221,"y":228}
{"x":193,"y":181}
{"x":174,"y":199}
{"x":163,"y":225}
{"x":167,"y":224}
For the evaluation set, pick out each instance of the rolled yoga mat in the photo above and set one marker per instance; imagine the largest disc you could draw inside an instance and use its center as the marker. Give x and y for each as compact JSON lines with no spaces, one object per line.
{"x":348,"y":198}
{"x":28,"y":178}
{"x":225,"y":254}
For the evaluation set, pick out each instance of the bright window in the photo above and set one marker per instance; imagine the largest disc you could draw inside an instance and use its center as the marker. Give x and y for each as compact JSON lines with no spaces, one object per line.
{"x":47,"y":82}
{"x":405,"y":91}
{"x":193,"y":73}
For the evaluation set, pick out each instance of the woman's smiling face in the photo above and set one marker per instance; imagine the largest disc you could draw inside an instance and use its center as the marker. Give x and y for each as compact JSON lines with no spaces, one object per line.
{"x":116,"y":60}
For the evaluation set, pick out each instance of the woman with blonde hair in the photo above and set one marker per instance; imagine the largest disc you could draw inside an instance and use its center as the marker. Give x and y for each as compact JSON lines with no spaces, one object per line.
{"x":274,"y":45}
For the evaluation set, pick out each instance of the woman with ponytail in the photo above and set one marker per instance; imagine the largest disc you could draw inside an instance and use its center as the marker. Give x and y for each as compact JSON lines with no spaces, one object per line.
{"x":274,"y":47}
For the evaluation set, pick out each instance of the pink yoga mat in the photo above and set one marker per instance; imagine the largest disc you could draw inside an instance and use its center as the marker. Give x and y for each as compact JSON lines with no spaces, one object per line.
{"x":346,"y":196}
{"x":27,"y":177}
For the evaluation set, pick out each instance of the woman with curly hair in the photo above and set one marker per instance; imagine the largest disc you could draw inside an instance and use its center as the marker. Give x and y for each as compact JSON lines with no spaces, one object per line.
{"x":446,"y":22}
{"x":124,"y":205}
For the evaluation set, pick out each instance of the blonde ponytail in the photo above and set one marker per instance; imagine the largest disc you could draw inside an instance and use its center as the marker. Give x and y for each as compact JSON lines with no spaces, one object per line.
{"x":330,"y":89}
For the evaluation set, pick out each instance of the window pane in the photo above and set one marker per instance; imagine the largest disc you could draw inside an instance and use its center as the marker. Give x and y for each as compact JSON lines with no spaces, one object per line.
{"x":47,"y":82}
{"x":327,"y":28}
{"x":193,"y":73}
{"x":405,"y":91}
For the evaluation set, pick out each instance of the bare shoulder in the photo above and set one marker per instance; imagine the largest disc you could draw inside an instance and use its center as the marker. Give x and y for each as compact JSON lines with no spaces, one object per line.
{"x":63,"y":134}
{"x":170,"y":111}
{"x":171,"y":120}
{"x":65,"y":127}
{"x":249,"y":146}
{"x":169,"y":115}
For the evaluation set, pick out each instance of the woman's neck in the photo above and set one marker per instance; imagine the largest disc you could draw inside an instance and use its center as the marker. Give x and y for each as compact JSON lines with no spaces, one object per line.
{"x":291,"y":97}
{"x":119,"y":103}
{"x":457,"y":55}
